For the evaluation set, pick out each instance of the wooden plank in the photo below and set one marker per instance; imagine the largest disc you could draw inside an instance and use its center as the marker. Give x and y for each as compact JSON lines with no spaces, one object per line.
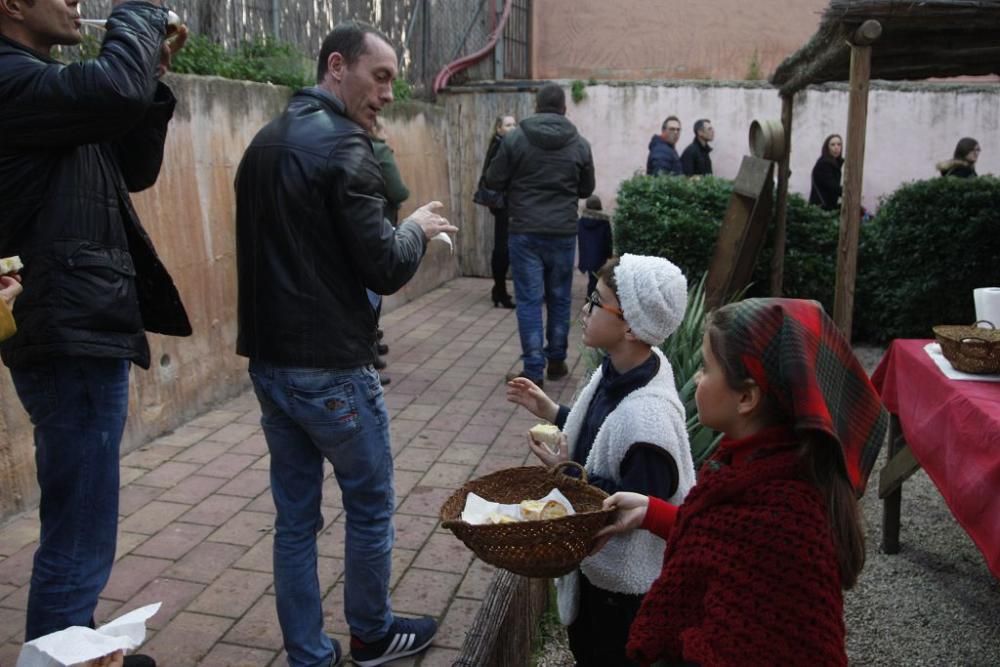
{"x":896,"y":471}
{"x":850,"y":211}
{"x":784,"y":171}
{"x":743,"y":230}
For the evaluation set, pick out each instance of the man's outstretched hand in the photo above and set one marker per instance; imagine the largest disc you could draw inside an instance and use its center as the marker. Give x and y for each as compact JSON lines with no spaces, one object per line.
{"x":433,"y":224}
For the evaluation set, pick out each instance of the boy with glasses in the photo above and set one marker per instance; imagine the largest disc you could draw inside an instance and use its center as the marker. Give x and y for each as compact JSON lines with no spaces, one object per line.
{"x":628,"y":428}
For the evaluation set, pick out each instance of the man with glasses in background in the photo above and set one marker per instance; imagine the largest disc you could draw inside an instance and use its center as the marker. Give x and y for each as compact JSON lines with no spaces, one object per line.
{"x":663,"y":158}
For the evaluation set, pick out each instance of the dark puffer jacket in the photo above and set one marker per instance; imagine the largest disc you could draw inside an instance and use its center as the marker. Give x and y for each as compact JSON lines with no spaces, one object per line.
{"x":662,"y":158}
{"x":544,"y":166}
{"x":74,"y":141}
{"x":311,"y":236}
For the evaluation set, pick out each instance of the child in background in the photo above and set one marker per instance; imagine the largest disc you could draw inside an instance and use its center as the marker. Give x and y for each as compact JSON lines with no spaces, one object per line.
{"x":760,"y":550}
{"x":593,"y":233}
{"x":628,"y":429}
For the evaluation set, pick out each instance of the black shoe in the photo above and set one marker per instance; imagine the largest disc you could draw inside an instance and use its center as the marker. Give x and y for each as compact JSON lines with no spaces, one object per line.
{"x":138,"y":660}
{"x":557,"y":369}
{"x":384,"y":379}
{"x":379,"y":334}
{"x":538,"y":381}
{"x":501,"y":299}
{"x":382,"y":348}
{"x":379,"y":363}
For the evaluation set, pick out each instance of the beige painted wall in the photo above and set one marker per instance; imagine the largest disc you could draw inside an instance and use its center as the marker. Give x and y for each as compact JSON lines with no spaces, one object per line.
{"x":667,"y":39}
{"x":190,"y":213}
{"x":910,"y":128}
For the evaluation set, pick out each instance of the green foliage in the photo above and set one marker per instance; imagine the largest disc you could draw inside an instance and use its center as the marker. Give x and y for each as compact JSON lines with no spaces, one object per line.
{"x":667,"y":216}
{"x":683,"y":349}
{"x":810,"y":265}
{"x":931,"y":243}
{"x":679,"y":218}
{"x":754,"y":72}
{"x":265,"y":61}
{"x":401,"y":90}
{"x":578,"y":90}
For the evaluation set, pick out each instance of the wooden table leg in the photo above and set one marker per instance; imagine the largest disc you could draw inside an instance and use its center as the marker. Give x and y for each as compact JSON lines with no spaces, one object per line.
{"x":892,"y":503}
{"x":899,"y":465}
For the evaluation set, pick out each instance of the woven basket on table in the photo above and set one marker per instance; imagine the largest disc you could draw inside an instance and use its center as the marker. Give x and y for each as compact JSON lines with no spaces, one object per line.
{"x":970,"y":349}
{"x":546,"y":548}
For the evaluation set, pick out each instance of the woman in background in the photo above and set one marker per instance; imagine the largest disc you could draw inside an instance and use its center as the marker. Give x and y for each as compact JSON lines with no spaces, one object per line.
{"x":963,"y":162}
{"x":826,"y":188}
{"x":500,"y":260}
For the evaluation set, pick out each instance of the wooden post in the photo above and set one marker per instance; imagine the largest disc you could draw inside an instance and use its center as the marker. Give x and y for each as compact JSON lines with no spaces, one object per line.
{"x":850,"y":211}
{"x":784,"y":171}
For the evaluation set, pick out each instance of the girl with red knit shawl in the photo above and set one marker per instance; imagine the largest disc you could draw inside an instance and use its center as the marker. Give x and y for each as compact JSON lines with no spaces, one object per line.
{"x":761,"y":549}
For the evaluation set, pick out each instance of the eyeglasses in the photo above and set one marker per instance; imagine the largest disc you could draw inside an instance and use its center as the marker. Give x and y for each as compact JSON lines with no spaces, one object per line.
{"x":595,"y":300}
{"x":673,"y":129}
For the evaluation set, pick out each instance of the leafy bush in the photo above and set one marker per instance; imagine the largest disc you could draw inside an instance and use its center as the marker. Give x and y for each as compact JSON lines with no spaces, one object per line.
{"x":676,"y":218}
{"x":265,"y":61}
{"x":679,"y":218}
{"x":931,"y":243}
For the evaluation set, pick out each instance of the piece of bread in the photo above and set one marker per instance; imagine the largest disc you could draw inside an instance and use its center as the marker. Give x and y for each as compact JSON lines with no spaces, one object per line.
{"x":10,"y":265}
{"x":496,"y":517}
{"x":547,"y":434}
{"x":536,"y":510}
{"x":553,"y":510}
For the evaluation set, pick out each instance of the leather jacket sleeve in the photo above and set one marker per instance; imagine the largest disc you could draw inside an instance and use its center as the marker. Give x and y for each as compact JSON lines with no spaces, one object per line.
{"x":587,"y":180}
{"x":498,"y":172}
{"x":386,"y":258}
{"x":140,"y":152}
{"x":53,"y":105}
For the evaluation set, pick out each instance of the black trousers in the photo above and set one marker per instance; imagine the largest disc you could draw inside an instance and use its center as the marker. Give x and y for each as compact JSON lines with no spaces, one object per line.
{"x":501,"y":255}
{"x":598,"y":635}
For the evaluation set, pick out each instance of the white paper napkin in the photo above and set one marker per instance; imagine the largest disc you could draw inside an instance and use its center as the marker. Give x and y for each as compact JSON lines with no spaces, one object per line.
{"x":477,"y":509}
{"x":78,"y":644}
{"x":447,"y":239}
{"x":933,"y":351}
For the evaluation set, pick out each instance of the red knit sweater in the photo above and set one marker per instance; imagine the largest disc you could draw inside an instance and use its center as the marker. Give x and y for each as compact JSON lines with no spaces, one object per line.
{"x":749,"y":575}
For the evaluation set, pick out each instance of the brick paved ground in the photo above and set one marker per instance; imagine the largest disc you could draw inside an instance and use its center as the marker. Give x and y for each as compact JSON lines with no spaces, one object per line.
{"x":196,"y":511}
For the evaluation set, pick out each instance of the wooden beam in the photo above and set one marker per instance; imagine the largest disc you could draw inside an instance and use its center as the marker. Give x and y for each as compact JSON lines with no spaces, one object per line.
{"x":854,"y":168}
{"x":867,"y":33}
{"x":778,"y":258}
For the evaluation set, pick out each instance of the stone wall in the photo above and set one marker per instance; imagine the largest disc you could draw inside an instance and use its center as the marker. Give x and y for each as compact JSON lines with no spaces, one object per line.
{"x":190,"y":215}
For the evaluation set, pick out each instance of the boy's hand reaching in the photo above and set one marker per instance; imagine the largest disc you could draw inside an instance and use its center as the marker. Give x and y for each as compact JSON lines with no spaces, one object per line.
{"x":546,"y":455}
{"x":528,"y":395}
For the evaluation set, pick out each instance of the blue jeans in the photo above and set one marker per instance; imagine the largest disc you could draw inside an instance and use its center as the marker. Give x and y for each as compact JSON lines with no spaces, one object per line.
{"x":310,"y":415}
{"x":78,"y":407}
{"x":542,"y":267}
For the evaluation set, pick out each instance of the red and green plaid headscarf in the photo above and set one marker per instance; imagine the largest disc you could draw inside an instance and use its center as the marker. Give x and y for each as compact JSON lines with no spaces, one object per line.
{"x":795,"y":352}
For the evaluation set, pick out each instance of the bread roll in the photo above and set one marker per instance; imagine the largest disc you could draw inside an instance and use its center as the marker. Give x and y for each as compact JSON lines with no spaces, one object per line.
{"x":547,"y":434}
{"x":10,"y":265}
{"x":496,"y":517}
{"x":536,"y":510}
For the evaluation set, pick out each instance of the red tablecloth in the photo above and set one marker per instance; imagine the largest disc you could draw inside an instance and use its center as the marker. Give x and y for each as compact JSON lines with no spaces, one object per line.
{"x":953,"y":429}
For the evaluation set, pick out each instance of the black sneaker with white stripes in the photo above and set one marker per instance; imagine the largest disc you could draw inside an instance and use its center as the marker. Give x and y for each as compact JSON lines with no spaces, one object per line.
{"x":406,"y":637}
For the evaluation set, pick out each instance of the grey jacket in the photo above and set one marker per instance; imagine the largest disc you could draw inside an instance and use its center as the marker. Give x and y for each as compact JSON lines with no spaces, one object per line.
{"x":544,"y":166}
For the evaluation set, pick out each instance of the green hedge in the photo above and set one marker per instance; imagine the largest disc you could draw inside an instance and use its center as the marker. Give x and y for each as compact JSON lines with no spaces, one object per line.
{"x":931,"y":243}
{"x":679,"y":218}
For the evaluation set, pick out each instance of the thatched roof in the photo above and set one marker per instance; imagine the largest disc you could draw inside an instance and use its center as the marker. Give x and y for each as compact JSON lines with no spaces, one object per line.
{"x":920,"y":40}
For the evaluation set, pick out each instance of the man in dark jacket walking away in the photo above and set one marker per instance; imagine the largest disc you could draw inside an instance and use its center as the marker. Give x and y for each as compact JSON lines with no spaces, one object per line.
{"x":696,"y":160}
{"x":663,"y":158}
{"x":74,"y":141}
{"x":311,"y":235}
{"x":544,"y":167}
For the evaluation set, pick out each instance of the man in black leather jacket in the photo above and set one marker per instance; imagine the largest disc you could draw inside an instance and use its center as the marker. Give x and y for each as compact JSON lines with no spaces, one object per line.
{"x":310,"y":237}
{"x":74,"y":141}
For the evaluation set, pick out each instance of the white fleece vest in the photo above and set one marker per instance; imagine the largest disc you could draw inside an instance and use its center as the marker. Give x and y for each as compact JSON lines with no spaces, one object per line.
{"x":629,"y":563}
